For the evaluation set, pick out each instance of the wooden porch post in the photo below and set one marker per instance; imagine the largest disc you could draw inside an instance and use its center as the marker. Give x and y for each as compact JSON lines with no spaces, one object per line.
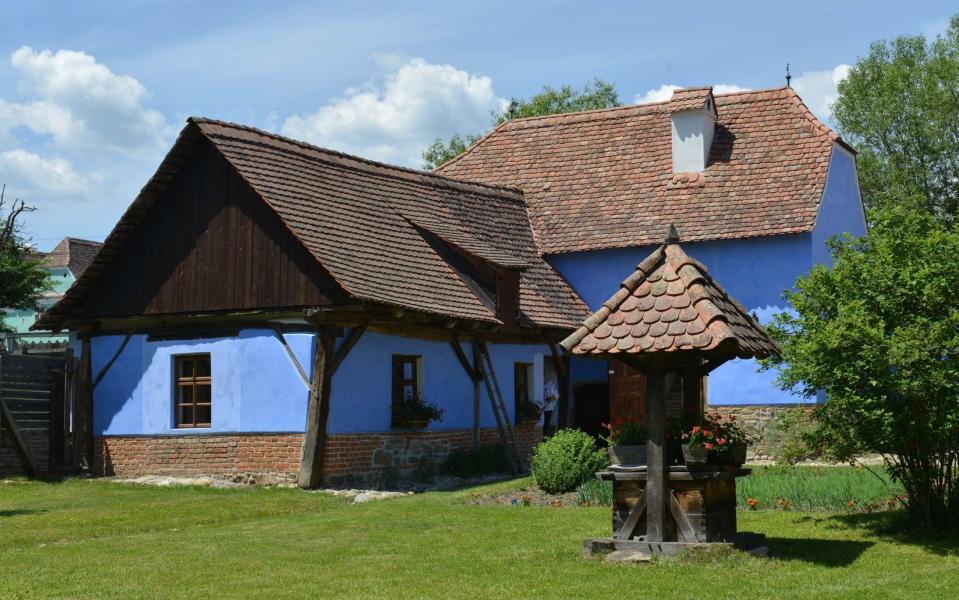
{"x":694,"y":388}
{"x":83,"y":431}
{"x":476,"y":396}
{"x":656,"y":487}
{"x":317,"y":413}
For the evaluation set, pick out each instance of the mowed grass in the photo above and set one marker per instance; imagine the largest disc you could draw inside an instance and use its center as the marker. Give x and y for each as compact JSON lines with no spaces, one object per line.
{"x":98,"y":539}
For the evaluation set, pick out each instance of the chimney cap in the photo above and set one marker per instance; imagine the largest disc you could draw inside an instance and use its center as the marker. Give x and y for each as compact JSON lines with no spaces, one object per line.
{"x":694,"y":98}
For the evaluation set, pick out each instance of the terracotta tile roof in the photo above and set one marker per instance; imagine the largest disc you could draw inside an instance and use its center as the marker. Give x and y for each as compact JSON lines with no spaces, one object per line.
{"x":360,"y":220}
{"x":74,"y":254}
{"x":671,"y":304}
{"x":691,"y":99}
{"x":602,"y":179}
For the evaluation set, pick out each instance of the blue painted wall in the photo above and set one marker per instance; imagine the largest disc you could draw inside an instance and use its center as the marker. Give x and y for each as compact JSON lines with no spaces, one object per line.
{"x":755,"y":271}
{"x":256,"y":387}
{"x":841,"y":209}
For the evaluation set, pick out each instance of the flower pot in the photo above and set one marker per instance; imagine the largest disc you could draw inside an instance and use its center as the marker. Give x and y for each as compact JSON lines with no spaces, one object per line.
{"x":735,"y":455}
{"x":414,"y":423}
{"x":627,"y":455}
{"x":695,"y":455}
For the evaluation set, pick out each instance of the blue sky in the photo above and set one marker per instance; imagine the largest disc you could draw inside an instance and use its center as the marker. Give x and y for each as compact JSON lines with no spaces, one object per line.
{"x":95,"y":92}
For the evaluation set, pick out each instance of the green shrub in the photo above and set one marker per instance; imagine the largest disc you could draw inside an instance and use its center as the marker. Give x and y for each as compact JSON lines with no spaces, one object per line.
{"x":484,"y":460}
{"x":566,"y":460}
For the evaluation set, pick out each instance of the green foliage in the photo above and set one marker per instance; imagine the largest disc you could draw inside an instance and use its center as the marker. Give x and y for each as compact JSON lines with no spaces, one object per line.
{"x":22,"y":281}
{"x":549,"y":101}
{"x":816,"y":488}
{"x":900,"y":108}
{"x":879,"y":334}
{"x":566,"y":460}
{"x":594,"y":492}
{"x":481,"y":461}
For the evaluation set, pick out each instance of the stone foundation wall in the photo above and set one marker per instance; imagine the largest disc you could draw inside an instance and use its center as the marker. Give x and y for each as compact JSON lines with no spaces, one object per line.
{"x":759,"y":421}
{"x":354,"y":458}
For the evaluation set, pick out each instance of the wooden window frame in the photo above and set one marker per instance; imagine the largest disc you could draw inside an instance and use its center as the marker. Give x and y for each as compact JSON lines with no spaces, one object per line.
{"x":397,"y":386}
{"x":528,"y":374}
{"x":193,"y":382}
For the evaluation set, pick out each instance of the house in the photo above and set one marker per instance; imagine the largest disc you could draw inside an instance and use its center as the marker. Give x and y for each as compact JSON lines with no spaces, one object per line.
{"x":265,"y":305}
{"x":65,"y":263}
{"x":754,"y":183}
{"x":263,"y":299}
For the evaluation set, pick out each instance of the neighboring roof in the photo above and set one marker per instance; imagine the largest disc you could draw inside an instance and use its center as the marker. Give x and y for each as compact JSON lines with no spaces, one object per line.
{"x":671,"y":304}
{"x":603,"y":178}
{"x":74,"y":254}
{"x":360,"y":220}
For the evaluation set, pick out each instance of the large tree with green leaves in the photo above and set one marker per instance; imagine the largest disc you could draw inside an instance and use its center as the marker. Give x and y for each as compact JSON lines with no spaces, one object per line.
{"x":550,"y":101}
{"x":879,"y":333}
{"x":22,"y":281}
{"x":900,"y":108}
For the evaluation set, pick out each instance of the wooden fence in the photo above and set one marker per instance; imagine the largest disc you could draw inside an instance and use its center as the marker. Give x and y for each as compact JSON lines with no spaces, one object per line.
{"x":38,"y":410}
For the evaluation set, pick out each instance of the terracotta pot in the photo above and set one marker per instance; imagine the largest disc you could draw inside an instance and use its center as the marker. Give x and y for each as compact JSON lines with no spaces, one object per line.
{"x":695,"y":455}
{"x":627,"y":455}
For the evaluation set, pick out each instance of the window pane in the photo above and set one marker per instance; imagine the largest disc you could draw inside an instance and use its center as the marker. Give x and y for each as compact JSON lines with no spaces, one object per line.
{"x":186,"y":415}
{"x":408,"y":392}
{"x":203,"y":415}
{"x":407,"y":370}
{"x":186,"y":394}
{"x":203,"y":394}
{"x":203,"y":367}
{"x":186,"y":367}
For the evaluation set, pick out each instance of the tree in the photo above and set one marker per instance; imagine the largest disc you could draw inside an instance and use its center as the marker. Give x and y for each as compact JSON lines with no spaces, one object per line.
{"x":879,"y":333}
{"x":900,"y":108}
{"x":22,"y":281}
{"x":550,"y":101}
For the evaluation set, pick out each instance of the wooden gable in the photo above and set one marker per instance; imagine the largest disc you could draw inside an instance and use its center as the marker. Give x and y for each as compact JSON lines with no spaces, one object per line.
{"x":209,"y":244}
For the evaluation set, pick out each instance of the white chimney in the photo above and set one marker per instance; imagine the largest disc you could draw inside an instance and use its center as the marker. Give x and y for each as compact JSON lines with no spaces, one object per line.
{"x":693,"y":115}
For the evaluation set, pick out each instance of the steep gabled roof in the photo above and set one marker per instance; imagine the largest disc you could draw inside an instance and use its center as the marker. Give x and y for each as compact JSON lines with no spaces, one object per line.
{"x":74,"y":254}
{"x":359,"y":219}
{"x":603,"y":178}
{"x":671,"y":304}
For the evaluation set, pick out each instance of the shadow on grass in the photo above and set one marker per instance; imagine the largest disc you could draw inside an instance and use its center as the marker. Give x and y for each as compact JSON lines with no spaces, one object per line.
{"x":826,"y":553}
{"x":19,"y":511}
{"x":895,"y":527}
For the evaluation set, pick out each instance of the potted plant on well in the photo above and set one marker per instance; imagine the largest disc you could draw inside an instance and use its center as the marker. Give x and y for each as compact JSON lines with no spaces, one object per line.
{"x":627,"y":441}
{"x":416,"y":413}
{"x":732,"y":450}
{"x":714,"y":441}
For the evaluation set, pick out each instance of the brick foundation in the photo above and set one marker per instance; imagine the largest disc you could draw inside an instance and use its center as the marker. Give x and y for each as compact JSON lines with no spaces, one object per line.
{"x":369,"y":458}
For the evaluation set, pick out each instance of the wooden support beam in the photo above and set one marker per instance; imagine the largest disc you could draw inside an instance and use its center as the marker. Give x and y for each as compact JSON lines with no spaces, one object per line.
{"x":685,"y":528}
{"x":18,"y":440}
{"x":562,"y":371}
{"x":106,"y":367}
{"x":83,"y":430}
{"x":693,"y":390}
{"x":355,"y":334}
{"x":629,"y":527}
{"x":656,"y":487}
{"x":464,"y":362}
{"x":317,"y":414}
{"x":712,"y":364}
{"x":477,"y":369}
{"x":293,"y":359}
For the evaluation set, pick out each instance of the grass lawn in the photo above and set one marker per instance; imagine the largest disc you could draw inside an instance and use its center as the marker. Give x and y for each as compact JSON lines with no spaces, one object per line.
{"x":89,"y":538}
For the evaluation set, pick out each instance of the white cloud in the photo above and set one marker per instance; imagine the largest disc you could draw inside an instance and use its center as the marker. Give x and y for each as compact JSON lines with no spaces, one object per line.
{"x":20,"y":169}
{"x":394,"y":122}
{"x":818,"y":89}
{"x":81,"y":103}
{"x":665,"y":92}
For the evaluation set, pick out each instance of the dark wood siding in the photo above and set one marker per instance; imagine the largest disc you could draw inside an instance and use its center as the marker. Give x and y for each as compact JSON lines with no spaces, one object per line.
{"x":209,"y":243}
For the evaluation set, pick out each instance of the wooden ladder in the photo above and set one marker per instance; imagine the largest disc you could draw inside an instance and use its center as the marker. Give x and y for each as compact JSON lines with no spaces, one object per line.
{"x":503,"y":423}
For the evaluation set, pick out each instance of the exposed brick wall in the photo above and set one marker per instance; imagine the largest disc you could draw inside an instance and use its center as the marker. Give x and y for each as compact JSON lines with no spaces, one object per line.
{"x":350,"y":458}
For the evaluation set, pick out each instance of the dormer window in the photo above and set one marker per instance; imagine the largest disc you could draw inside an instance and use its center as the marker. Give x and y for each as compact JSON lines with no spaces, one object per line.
{"x":693,"y":117}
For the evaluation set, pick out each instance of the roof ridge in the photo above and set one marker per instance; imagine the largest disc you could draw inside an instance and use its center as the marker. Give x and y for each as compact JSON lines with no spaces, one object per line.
{"x":405,"y":172}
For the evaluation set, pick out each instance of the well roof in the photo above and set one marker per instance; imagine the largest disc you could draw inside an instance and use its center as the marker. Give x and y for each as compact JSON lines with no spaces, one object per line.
{"x":670,"y":304}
